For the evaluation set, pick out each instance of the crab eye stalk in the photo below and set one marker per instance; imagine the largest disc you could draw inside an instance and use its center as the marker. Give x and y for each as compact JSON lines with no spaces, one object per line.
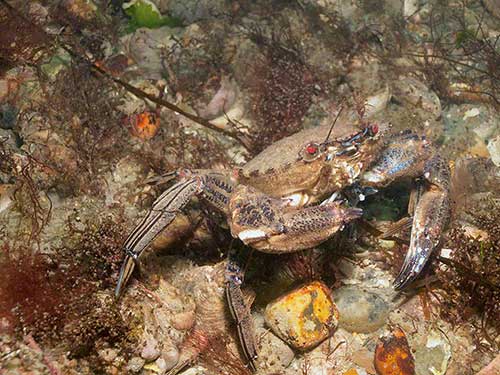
{"x":310,"y":152}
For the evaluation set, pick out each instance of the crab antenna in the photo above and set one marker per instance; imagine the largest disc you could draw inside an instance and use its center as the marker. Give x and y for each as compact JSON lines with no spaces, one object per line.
{"x":334,"y":121}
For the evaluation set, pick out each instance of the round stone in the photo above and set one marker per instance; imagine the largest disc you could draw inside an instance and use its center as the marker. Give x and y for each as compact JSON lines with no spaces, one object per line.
{"x":135,"y":365}
{"x":360,"y":310}
{"x":150,"y":350}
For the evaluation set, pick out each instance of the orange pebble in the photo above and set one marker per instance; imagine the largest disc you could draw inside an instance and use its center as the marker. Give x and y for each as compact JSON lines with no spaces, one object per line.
{"x":144,"y":125}
{"x":393,"y":355}
{"x":351,"y":371}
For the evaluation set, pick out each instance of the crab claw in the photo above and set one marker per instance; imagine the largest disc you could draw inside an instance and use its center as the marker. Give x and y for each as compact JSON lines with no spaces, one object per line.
{"x":268,"y":224}
{"x":431,"y":215}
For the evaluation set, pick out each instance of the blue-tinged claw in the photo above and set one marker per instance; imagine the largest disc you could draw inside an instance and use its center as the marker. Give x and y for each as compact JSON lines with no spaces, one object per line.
{"x":431,"y":215}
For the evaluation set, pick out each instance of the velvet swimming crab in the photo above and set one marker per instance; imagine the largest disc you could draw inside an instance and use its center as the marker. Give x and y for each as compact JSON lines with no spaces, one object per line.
{"x":288,"y":198}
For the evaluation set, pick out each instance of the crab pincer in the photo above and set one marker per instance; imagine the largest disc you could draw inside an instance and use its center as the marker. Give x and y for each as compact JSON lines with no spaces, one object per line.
{"x":269,"y":225}
{"x":431,"y":215}
{"x":411,"y":156}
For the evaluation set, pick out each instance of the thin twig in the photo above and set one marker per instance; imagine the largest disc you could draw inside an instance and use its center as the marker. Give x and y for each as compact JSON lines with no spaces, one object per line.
{"x":454,"y":62}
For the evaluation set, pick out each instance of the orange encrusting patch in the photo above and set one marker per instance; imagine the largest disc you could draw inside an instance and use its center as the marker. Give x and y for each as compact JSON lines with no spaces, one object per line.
{"x":305,"y":316}
{"x":144,"y":125}
{"x":393,"y":355}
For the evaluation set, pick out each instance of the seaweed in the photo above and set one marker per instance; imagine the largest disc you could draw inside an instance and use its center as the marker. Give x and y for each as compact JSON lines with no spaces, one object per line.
{"x":281,"y":89}
{"x":21,"y":42}
{"x":97,"y":247}
{"x":85,"y":115}
{"x":57,"y":297}
{"x":219,"y":358}
{"x":456,"y":56}
{"x":470,"y":279}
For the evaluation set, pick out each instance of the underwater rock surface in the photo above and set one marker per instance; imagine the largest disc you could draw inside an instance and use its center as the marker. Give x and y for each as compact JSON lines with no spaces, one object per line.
{"x":360,"y":310}
{"x":98,"y":101}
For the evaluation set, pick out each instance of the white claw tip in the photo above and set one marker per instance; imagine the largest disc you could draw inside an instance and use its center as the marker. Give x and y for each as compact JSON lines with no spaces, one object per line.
{"x":251,"y":234}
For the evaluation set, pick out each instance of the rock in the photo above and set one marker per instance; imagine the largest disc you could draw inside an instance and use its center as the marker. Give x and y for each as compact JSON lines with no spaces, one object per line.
{"x":363,"y":358}
{"x":6,"y":198}
{"x":494,"y":150}
{"x":304,"y":317}
{"x":9,"y":87}
{"x":393,"y":355}
{"x":410,"y":8}
{"x":412,"y":91}
{"x":180,"y":227}
{"x":183,"y":321}
{"x":433,"y":356}
{"x":8,"y":115}
{"x":161,"y":364}
{"x":369,"y":81}
{"x":492,"y":369}
{"x":274,"y":354}
{"x":84,"y":9}
{"x":38,"y":12}
{"x":222,"y":101}
{"x":145,"y":47}
{"x":170,"y":357}
{"x":150,"y":350}
{"x":377,"y":102}
{"x":108,"y":354}
{"x":360,"y":310}
{"x":493,"y":7}
{"x":193,"y":10}
{"x":135,"y":364}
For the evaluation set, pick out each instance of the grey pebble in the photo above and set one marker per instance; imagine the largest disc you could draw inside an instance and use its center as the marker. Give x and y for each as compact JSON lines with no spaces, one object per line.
{"x":135,"y":364}
{"x":360,"y":310}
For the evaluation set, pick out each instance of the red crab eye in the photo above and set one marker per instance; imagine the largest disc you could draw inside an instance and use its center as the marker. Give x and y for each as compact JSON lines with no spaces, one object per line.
{"x":373,"y":129}
{"x":311,"y":149}
{"x":310,"y":152}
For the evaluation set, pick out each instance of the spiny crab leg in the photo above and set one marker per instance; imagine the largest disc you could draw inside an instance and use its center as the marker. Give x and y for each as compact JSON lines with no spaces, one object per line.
{"x":411,"y":156}
{"x":212,"y":185}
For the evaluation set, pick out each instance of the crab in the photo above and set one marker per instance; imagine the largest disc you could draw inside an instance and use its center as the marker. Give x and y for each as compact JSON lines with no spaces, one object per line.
{"x":289,"y":198}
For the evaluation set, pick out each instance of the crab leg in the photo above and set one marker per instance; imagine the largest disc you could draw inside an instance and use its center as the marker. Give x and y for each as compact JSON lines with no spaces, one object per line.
{"x":213,"y":187}
{"x":240,"y":311}
{"x":405,"y":156}
{"x":411,"y":156}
